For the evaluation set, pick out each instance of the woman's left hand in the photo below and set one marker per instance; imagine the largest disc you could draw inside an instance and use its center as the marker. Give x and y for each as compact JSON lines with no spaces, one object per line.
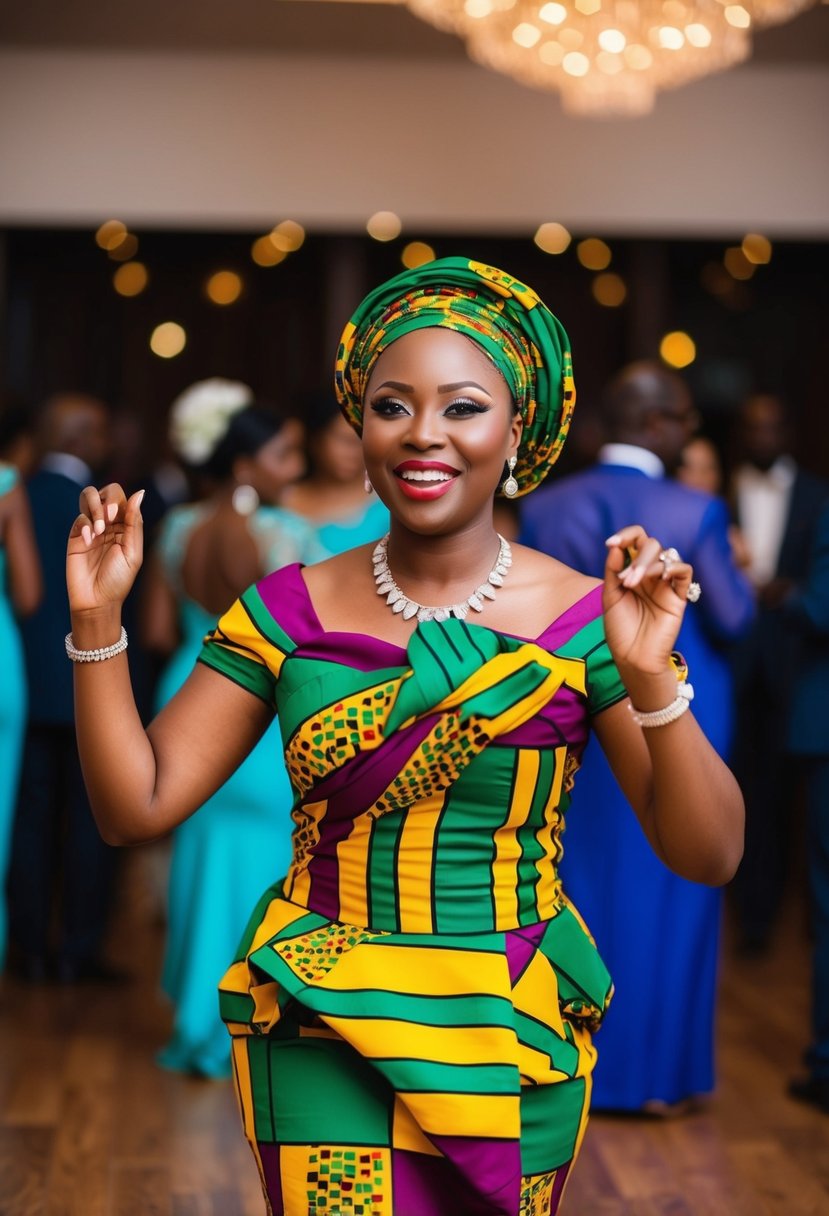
{"x":644,"y":601}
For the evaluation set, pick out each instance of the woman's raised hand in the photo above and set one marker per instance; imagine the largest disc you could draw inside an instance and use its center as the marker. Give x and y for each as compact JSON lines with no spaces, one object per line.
{"x":105,"y":549}
{"x":645,"y":594}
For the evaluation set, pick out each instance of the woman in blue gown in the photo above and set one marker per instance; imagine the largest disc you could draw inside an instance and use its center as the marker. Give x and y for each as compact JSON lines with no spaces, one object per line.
{"x":20,"y":592}
{"x":335,"y":495}
{"x":225,"y":856}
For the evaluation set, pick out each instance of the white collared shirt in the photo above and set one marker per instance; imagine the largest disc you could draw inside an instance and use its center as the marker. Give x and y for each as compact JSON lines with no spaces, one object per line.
{"x":632,"y":457}
{"x":763,"y":507}
{"x":69,"y":466}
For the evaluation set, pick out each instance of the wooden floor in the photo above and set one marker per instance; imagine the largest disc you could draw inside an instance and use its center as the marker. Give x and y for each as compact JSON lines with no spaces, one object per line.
{"x":89,"y":1126}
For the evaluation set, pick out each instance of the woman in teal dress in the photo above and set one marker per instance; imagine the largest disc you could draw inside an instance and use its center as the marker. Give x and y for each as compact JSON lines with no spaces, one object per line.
{"x":222,"y":858}
{"x":20,"y":592}
{"x":335,"y":495}
{"x":412,"y":1008}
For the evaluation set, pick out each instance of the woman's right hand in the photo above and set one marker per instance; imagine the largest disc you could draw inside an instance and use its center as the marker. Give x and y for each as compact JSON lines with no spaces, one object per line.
{"x":105,"y":549}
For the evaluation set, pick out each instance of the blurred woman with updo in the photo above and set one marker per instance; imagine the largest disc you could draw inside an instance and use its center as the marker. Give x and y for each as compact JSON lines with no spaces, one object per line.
{"x":243,"y":456}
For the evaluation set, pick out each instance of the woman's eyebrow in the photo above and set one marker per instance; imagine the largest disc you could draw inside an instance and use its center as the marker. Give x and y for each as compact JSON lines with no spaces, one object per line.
{"x":453,"y":388}
{"x":401,"y":388}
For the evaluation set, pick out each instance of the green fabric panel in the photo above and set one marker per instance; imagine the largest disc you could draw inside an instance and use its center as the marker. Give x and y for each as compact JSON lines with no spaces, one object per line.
{"x":531,"y":849}
{"x":324,"y":1092}
{"x":382,"y":870}
{"x":308,"y":686}
{"x":550,"y":1119}
{"x":262,"y":1087}
{"x":577,"y":963}
{"x":252,"y":676}
{"x":604,"y":684}
{"x":265,"y":623}
{"x":563,"y":1055}
{"x":235,"y":1007}
{"x":475,"y":809}
{"x":483,"y":943}
{"x":431,"y":1076}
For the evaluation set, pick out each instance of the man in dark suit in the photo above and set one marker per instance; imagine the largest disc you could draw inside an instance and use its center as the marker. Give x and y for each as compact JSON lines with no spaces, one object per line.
{"x":777,"y":505}
{"x":658,"y":933}
{"x":808,"y":610}
{"x":60,"y":877}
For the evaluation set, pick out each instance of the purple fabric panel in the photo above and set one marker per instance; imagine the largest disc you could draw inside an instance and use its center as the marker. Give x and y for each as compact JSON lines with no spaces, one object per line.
{"x":563,"y":716}
{"x":572,"y":620}
{"x":356,"y":785}
{"x":269,"y":1156}
{"x":558,"y":1187}
{"x":521,"y":945}
{"x":357,"y":650}
{"x":285,"y":596}
{"x":428,"y":1186}
{"x":491,"y":1173}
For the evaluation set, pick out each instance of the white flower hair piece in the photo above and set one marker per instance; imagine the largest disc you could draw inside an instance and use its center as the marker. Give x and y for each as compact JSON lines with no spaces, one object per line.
{"x":200,"y":416}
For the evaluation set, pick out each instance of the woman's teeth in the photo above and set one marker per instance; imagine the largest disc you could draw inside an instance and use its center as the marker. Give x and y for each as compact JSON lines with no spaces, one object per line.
{"x":425,"y":475}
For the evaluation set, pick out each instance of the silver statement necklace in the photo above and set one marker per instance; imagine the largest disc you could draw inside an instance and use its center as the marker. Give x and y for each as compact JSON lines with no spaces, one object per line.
{"x":400,"y":603}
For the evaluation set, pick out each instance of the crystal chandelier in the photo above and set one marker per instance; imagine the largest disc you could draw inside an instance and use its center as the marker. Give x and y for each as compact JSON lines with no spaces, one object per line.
{"x":606,"y":56}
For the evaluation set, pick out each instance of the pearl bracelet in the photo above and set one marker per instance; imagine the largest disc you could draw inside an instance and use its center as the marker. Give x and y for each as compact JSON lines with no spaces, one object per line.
{"x":99,"y":654}
{"x":661,"y":717}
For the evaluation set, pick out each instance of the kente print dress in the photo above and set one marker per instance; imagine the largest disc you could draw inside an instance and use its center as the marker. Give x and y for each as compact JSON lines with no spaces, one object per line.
{"x":411,"y":1007}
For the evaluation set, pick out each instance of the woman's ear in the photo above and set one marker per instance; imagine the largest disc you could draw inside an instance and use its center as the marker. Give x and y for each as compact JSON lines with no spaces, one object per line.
{"x":516,"y":433}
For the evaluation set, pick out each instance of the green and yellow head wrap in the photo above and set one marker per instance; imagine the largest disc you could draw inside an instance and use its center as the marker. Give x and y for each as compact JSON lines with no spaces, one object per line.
{"x":515,"y":329}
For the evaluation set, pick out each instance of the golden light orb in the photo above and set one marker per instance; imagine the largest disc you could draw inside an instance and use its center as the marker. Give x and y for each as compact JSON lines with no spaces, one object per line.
{"x":737,"y":264}
{"x":125,"y":249}
{"x":224,"y":287}
{"x":756,"y":248}
{"x":417,"y":253}
{"x":288,"y":236}
{"x":265,"y":253}
{"x":168,"y":340}
{"x":609,"y":290}
{"x":593,"y":254}
{"x":384,"y":226}
{"x":552,"y":237}
{"x":110,"y":234}
{"x":678,"y":349}
{"x":130,"y":279}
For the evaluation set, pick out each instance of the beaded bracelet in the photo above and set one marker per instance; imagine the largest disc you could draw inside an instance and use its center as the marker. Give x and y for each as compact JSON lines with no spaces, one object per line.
{"x":99,"y":654}
{"x":661,"y":717}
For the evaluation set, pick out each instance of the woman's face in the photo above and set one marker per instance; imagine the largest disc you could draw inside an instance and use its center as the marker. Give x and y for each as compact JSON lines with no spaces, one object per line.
{"x":700,"y":467}
{"x":277,"y":464}
{"x":438,"y":424}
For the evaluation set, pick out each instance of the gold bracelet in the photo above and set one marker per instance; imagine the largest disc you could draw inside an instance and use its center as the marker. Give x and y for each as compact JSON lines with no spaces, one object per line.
{"x":99,"y":653}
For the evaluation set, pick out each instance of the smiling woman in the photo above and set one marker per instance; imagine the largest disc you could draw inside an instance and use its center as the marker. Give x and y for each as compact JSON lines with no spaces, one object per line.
{"x":412,"y":1006}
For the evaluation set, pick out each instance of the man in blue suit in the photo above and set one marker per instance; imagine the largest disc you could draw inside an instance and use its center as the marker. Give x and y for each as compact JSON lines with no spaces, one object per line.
{"x":658,"y":933}
{"x":60,"y":876}
{"x":808,"y":611}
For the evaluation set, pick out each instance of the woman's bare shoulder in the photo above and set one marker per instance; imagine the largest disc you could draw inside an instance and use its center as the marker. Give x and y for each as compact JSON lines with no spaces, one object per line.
{"x":541,"y":570}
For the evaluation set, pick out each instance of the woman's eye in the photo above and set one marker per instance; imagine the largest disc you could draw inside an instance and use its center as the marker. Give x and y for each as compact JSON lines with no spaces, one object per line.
{"x":465,"y":407}
{"x":387,"y":407}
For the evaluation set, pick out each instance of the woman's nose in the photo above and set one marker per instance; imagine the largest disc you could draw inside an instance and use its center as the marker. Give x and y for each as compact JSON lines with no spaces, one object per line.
{"x":424,"y":430}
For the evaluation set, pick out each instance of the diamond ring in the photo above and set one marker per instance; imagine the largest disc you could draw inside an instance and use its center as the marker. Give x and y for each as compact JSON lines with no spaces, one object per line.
{"x":693,"y":593}
{"x":669,"y":556}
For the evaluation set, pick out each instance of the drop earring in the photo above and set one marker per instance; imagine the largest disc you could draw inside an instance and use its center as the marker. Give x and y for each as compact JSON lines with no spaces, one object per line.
{"x":369,"y":488}
{"x":245,"y":500}
{"x":510,"y":486}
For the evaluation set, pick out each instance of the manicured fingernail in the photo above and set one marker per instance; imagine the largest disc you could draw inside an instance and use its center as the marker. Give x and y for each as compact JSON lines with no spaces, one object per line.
{"x":86,"y":533}
{"x":613,"y":540}
{"x":112,"y":510}
{"x":99,"y":526}
{"x":140,"y":498}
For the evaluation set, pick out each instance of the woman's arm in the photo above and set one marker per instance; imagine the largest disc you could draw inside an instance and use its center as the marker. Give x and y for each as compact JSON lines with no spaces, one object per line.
{"x":685,"y":797}
{"x":25,"y":576}
{"x":142,"y":783}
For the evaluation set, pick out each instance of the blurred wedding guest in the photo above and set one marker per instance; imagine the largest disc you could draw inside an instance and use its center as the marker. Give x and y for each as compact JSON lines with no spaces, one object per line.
{"x":808,"y":611}
{"x":207,"y":552}
{"x":21,"y":588}
{"x":701,"y":468}
{"x":658,"y":933}
{"x":335,"y":496}
{"x":61,"y":874}
{"x":776,"y":505}
{"x":17,"y":439}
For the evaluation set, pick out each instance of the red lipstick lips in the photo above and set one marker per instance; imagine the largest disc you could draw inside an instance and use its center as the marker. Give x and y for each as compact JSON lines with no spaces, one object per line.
{"x":424,"y":480}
